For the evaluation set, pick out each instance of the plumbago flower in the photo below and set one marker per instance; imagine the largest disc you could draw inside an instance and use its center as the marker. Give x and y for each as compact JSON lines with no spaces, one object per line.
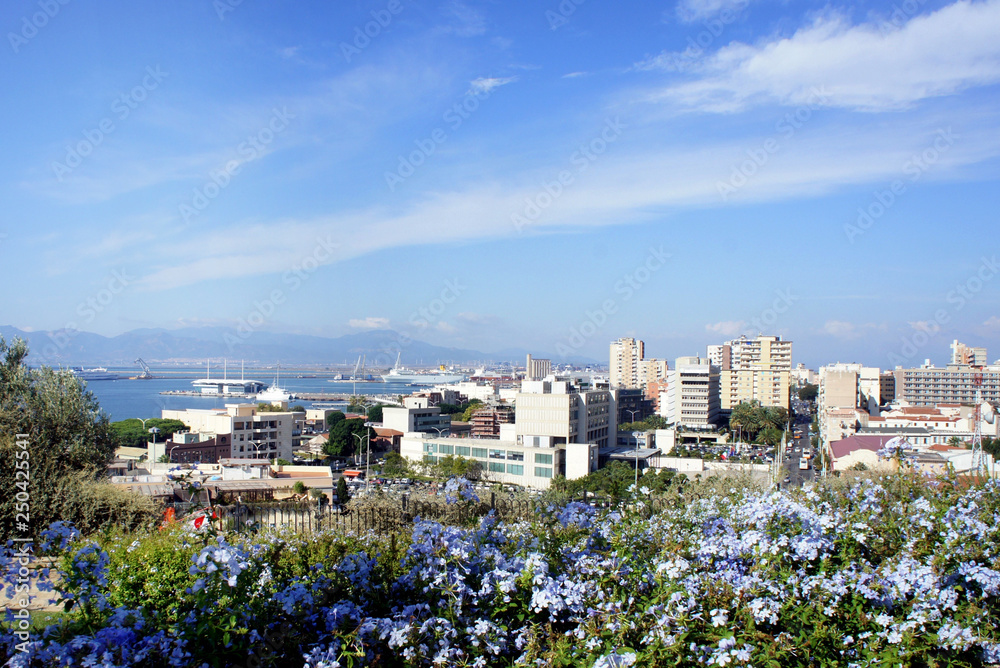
{"x":872,"y":572}
{"x":459,"y":489}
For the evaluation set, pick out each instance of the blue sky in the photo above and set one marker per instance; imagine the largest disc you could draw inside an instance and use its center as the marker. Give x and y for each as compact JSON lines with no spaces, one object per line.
{"x":487,"y":175}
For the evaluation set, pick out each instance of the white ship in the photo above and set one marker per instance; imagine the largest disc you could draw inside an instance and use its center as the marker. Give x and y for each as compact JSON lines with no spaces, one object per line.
{"x":275,"y":392}
{"x":399,"y":374}
{"x":97,"y":373}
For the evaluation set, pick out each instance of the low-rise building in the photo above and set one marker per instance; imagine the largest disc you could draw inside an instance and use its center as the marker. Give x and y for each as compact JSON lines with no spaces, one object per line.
{"x":526,"y":463}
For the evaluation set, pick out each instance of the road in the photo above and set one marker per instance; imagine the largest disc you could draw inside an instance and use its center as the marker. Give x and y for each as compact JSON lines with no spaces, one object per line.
{"x":794,"y":475}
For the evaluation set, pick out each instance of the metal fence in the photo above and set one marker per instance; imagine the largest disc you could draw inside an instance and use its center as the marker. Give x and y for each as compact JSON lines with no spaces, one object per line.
{"x":385,"y":517}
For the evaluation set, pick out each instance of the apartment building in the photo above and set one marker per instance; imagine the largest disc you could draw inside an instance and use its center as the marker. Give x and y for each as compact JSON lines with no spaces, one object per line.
{"x":623,"y":368}
{"x":964,"y":355}
{"x":255,"y":434}
{"x":486,"y":422}
{"x":954,"y":384}
{"x":692,"y":396}
{"x":753,"y":369}
{"x":537,"y":368}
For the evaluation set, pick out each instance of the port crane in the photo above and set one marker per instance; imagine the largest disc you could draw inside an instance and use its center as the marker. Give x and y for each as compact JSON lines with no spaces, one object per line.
{"x":146,"y":373}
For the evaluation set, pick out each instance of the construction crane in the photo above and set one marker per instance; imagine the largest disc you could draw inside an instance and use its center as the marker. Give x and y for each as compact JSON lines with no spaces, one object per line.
{"x":146,"y":373}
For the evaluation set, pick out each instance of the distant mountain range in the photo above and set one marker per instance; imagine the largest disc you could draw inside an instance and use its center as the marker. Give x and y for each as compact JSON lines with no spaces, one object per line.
{"x":195,"y":344}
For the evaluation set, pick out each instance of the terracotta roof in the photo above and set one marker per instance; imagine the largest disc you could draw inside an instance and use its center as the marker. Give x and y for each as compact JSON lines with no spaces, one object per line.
{"x":846,"y":446}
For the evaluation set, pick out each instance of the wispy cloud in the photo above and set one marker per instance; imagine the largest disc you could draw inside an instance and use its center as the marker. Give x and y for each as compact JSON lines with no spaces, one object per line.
{"x":368,"y":323}
{"x":727,"y":327}
{"x":860,"y":66}
{"x":486,"y":85}
{"x":690,"y":11}
{"x":842,"y":329}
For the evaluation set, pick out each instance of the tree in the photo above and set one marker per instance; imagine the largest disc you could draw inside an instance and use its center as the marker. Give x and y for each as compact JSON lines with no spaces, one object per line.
{"x":471,"y":408}
{"x":342,"y":441}
{"x":281,"y":461}
{"x":299,"y":487}
{"x":343,"y":496}
{"x":954,"y":441}
{"x":808,"y":392}
{"x":395,"y":465}
{"x":70,"y":442}
{"x":333,"y":418}
{"x":375,"y":413}
{"x":746,"y":419}
{"x":132,"y":433}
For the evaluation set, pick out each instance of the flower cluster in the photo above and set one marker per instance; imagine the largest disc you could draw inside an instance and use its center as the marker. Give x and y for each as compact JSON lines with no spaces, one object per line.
{"x":871,"y":572}
{"x":459,"y":489}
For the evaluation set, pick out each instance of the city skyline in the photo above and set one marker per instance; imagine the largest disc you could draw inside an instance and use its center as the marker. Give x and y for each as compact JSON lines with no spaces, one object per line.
{"x":546,"y":177}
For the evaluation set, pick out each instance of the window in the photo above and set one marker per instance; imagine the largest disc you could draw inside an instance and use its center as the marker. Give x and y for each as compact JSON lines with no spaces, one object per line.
{"x":446,"y":449}
{"x":430,"y":459}
{"x":543,"y":472}
{"x":430,"y":447}
{"x":479,"y":452}
{"x":496,"y":467}
{"x":515,"y":469}
{"x":498,"y":454}
{"x":515,"y":456}
{"x":462,"y":450}
{"x":543,"y":459}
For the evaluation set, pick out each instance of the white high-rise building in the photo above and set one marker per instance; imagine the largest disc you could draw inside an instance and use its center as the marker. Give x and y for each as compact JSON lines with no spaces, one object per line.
{"x":692,"y":395}
{"x":623,"y":368}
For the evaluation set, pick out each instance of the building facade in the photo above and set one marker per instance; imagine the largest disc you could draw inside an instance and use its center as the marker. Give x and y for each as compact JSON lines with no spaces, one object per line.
{"x":623,"y":368}
{"x":756,"y":369}
{"x":692,"y":396}
{"x":255,"y":435}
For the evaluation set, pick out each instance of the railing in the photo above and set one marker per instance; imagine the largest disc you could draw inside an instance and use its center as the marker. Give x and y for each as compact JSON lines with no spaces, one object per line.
{"x":299,"y":516}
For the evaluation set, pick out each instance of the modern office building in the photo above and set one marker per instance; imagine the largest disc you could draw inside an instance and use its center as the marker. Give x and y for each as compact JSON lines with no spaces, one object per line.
{"x":528,"y":464}
{"x":427,"y":419}
{"x":692,"y":396}
{"x":561,"y":411}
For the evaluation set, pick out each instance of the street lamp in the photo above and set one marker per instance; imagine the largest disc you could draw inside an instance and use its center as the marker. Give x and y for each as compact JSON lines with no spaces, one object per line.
{"x":368,"y":453}
{"x":636,"y":435}
{"x":361,"y":438}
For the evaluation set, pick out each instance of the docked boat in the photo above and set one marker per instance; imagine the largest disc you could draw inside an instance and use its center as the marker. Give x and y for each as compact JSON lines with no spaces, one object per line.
{"x":442,"y":376}
{"x":275,"y":392}
{"x":97,"y":373}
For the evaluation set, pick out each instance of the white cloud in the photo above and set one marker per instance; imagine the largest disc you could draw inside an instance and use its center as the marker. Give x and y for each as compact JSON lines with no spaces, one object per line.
{"x":928,"y":326}
{"x":484,"y":85}
{"x":993,"y":322}
{"x":727,"y":327}
{"x":860,"y":67}
{"x":840,"y":329}
{"x":465,"y":21}
{"x":368,"y":323}
{"x":696,"y":10}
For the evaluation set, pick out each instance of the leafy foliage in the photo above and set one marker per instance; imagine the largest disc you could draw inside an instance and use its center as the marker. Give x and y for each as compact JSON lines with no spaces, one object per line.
{"x":333,"y":418}
{"x":342,"y":441}
{"x":808,"y":392}
{"x":868,"y":572}
{"x":131,"y":433}
{"x":375,"y":413}
{"x":69,"y":444}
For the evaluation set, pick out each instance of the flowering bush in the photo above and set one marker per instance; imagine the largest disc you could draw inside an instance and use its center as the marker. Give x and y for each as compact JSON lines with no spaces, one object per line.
{"x":871,"y":572}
